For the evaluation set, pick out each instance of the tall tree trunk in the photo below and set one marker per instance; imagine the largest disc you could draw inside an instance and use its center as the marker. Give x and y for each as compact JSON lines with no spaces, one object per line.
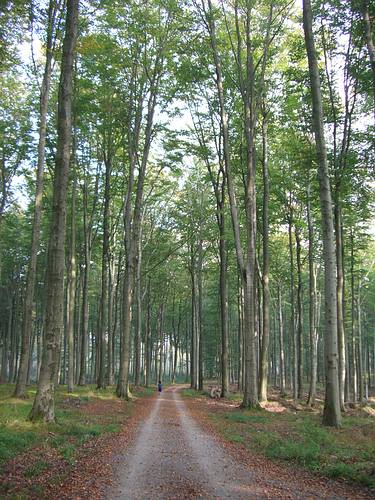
{"x":85,"y":311}
{"x":111,"y":323}
{"x":31,"y":273}
{"x":88,"y":222}
{"x":299,"y":315}
{"x":312,"y":307}
{"x":177,"y":340}
{"x":138,"y":332}
{"x":200,"y":315}
{"x":247,"y":269}
{"x":293,"y":333}
{"x":361,"y":395}
{"x":43,"y":406}
{"x":251,"y":383}
{"x":72,"y":283}
{"x":332,"y":413}
{"x":340,"y":302}
{"x":223,"y":305}
{"x":132,"y":223}
{"x":103,"y":328}
{"x":354,"y":322}
{"x":240,"y":333}
{"x":218,"y":181}
{"x":148,"y":345}
{"x":370,"y":43}
{"x":77,"y":329}
{"x":194,"y":343}
{"x":263,"y":372}
{"x":281,"y":341}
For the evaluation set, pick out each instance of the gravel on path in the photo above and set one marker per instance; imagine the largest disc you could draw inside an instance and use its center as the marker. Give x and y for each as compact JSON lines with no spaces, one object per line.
{"x":174,"y":458}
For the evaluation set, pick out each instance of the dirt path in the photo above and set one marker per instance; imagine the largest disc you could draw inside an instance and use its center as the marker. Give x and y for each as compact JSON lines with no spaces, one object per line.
{"x":173,"y":458}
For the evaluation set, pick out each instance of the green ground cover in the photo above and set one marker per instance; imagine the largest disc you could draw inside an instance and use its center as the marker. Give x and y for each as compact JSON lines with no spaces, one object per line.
{"x":298,"y":437}
{"x":80,"y":416}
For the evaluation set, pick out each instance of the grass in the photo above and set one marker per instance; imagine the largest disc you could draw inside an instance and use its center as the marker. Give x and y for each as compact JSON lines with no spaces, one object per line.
{"x":234,"y":438}
{"x":300,"y":438}
{"x":13,"y":441}
{"x":68,"y":452}
{"x":336,"y":453}
{"x":243,"y":418}
{"x":143,"y":391}
{"x":81,"y":416}
{"x":37,"y":468}
{"x":192,"y":393}
{"x":73,"y":425}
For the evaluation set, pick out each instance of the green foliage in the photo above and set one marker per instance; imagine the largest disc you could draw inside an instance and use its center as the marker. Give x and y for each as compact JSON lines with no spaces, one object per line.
{"x":122,"y":46}
{"x":192,"y":393}
{"x":67,"y":435}
{"x":306,"y":454}
{"x":347,"y":453}
{"x":235,"y":438}
{"x":82,"y":432}
{"x":37,"y":468}
{"x":68,"y":452}
{"x":246,"y":418}
{"x":361,"y":472}
{"x":13,"y":441}
{"x":142,"y":391}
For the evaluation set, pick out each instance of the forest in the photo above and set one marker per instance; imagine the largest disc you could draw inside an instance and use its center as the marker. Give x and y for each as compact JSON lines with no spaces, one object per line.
{"x":187,"y":196}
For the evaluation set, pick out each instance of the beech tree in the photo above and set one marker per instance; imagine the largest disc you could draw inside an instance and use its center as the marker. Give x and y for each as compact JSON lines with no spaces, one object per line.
{"x":52,"y":20}
{"x":332,"y":415}
{"x":200,"y":241}
{"x":44,"y":400}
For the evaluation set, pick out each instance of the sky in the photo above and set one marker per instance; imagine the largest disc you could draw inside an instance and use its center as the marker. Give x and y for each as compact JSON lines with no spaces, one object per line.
{"x":176,"y":123}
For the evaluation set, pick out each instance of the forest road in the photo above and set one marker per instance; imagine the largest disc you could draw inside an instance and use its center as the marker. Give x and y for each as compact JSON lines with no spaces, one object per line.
{"x":173,"y":458}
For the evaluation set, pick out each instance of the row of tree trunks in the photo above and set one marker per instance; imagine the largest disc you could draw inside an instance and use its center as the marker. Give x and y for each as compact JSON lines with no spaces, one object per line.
{"x":299,"y":315}
{"x":104,"y":301}
{"x":332,"y":413}
{"x":263,"y":375}
{"x":43,"y":406}
{"x":53,"y":13}
{"x":72,"y":283}
{"x":89,"y":235}
{"x":313,"y":307}
{"x":133,"y":219}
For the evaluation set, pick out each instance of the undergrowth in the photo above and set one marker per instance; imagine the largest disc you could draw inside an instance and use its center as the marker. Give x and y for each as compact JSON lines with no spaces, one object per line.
{"x":300,"y":438}
{"x":192,"y":393}
{"x":73,"y":427}
{"x":347,"y":453}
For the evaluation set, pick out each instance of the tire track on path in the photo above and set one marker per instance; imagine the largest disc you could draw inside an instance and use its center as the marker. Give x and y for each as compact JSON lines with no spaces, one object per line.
{"x":174,"y":458}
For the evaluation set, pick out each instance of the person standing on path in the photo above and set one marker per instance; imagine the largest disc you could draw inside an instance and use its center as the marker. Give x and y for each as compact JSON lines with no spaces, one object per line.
{"x":160,"y":386}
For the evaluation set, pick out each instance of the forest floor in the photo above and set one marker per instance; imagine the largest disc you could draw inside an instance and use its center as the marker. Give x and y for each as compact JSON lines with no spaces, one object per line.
{"x":73,"y":457}
{"x":168,"y":446}
{"x":181,"y":452}
{"x":286,"y":440}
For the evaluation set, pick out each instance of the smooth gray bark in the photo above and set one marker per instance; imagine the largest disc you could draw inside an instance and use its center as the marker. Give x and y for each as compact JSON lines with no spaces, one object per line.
{"x":332,"y":413}
{"x":72,"y":283}
{"x":247,"y":268}
{"x":103,"y":328}
{"x":132,"y":223}
{"x":31,"y":272}
{"x":293,"y":333}
{"x":299,"y":314}
{"x":263,"y":364}
{"x":281,"y":340}
{"x":312,"y":307}
{"x":43,"y":406}
{"x":370,"y":42}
